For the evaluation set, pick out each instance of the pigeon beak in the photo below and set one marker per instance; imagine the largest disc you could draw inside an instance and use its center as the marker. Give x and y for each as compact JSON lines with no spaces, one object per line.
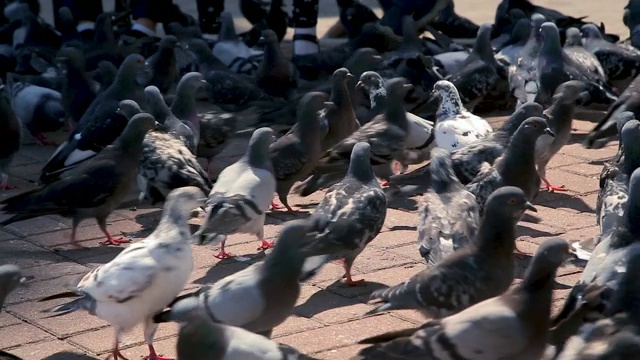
{"x":529,"y":206}
{"x":261,"y":41}
{"x":359,"y":85}
{"x":350,"y":76}
{"x":24,"y":281}
{"x":584,"y":97}
{"x":424,"y":252}
{"x":549,"y":132}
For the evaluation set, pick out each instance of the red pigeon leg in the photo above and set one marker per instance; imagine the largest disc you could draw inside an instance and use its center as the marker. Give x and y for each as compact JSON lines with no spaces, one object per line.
{"x":275,"y":206}
{"x":5,"y":184}
{"x":223,"y":254}
{"x":154,"y":356}
{"x":264,"y":244}
{"x":116,"y":354}
{"x":42,"y":140}
{"x":548,"y":187}
{"x":348,"y":279}
{"x":102,"y":223}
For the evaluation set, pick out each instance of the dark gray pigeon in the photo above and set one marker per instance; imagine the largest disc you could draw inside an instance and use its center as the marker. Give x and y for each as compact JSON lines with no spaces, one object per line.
{"x":479,"y":72}
{"x":168,"y":121}
{"x":513,"y":325}
{"x":163,"y":64}
{"x":296,"y":154}
{"x":621,"y":62}
{"x":201,"y":339}
{"x":468,"y":161}
{"x":606,"y":130}
{"x":560,"y":118}
{"x":93,"y":189}
{"x":257,"y":298}
{"x":10,"y":138}
{"x":574,"y":48}
{"x":39,"y":109}
{"x":449,"y":216}
{"x":610,"y":258}
{"x":101,"y":124}
{"x":523,"y":73}
{"x":350,"y":216}
{"x":516,"y":167}
{"x":519,"y":37}
{"x":276,"y":75}
{"x":341,"y":118}
{"x":78,"y":89}
{"x":205,"y":59}
{"x":183,"y":106}
{"x":478,"y":271}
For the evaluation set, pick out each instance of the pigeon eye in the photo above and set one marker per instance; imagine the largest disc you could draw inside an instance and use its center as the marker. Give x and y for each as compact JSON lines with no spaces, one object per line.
{"x":511,"y":201}
{"x":535,"y":126}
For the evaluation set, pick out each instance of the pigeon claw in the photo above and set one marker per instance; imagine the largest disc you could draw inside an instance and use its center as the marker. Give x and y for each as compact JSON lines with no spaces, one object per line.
{"x":350,"y":282}
{"x":6,"y":186}
{"x":275,"y":206}
{"x":115,"y":241}
{"x":223,"y":255}
{"x":156,"y":357}
{"x":116,"y":355}
{"x":386,"y":183}
{"x":264,"y":245}
{"x":551,"y":188}
{"x":42,"y":140}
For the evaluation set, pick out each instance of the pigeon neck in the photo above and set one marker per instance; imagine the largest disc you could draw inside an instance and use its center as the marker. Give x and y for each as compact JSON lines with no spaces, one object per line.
{"x":125,"y":80}
{"x":308,"y":126}
{"x":561,"y":113}
{"x":159,"y":109}
{"x":228,"y":31}
{"x":496,"y":233}
{"x":131,"y":141}
{"x":340,"y":95}
{"x":520,"y":154}
{"x":396,"y":114}
{"x":532,"y":298}
{"x":449,"y":108}
{"x":630,"y":162}
{"x":272,"y":54}
{"x":184,"y":105}
{"x":174,"y":218}
{"x":378,"y":98}
{"x":551,"y":48}
{"x":258,"y":157}
{"x":443,"y":178}
{"x":482,"y":49}
{"x":632,"y":212}
{"x":513,"y":123}
{"x":360,"y":169}
{"x":165,"y":56}
{"x":285,"y":262}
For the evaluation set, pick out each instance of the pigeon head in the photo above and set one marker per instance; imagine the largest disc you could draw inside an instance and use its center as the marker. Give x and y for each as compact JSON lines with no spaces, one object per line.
{"x":198,"y":47}
{"x":536,"y":22}
{"x":550,"y":255}
{"x":447,"y":94}
{"x":522,"y":113}
{"x":550,"y":37}
{"x":180,"y":202}
{"x":591,"y":31}
{"x":308,"y":110}
{"x":572,"y":92}
{"x":155,"y":101}
{"x":360,"y":163}
{"x":290,"y":243}
{"x":508,"y":202}
{"x":442,"y":174}
{"x":371,"y":81}
{"x":258,"y":151}
{"x":10,"y":278}
{"x":129,"y":70}
{"x":532,"y":129}
{"x":629,"y":137}
{"x":136,"y":129}
{"x":191,"y":81}
{"x":521,"y":31}
{"x":342,"y":74}
{"x":128,"y":108}
{"x":623,"y":118}
{"x":168,"y":42}
{"x":107,"y":72}
{"x":573,"y":37}
{"x":269,"y":37}
{"x":398,"y":88}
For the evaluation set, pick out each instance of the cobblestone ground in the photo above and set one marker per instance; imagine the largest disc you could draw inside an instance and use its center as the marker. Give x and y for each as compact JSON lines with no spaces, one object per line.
{"x":327,"y":321}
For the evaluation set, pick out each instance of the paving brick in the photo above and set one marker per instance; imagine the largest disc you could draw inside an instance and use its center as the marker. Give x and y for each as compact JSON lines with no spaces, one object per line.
{"x":6,"y":236}
{"x":101,"y":341}
{"x":564,"y":219}
{"x":52,"y":271}
{"x":409,"y":251}
{"x":398,"y":219}
{"x":87,"y":249}
{"x":581,"y":234}
{"x":35,"y":226}
{"x":371,"y":260}
{"x":210,"y":275}
{"x":534,"y":231}
{"x":343,"y":334}
{"x":295,"y":324}
{"x":342,"y":353}
{"x":561,"y":160}
{"x":330,"y":272}
{"x":164,"y":347}
{"x":394,"y":238}
{"x":573,"y":183}
{"x":25,"y":255}
{"x":579,"y":151}
{"x":21,"y":334}
{"x":329,"y":308}
{"x":530,"y":249}
{"x":7,"y":319}
{"x":571,"y":202}
{"x":581,"y":168}
{"x":56,"y":349}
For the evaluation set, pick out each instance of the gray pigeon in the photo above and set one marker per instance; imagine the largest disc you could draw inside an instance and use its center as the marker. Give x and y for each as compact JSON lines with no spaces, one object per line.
{"x":560,"y":117}
{"x":257,"y":298}
{"x":479,"y":72}
{"x":478,"y":271}
{"x":201,"y":339}
{"x":39,"y":109}
{"x":468,"y":161}
{"x":100,"y":125}
{"x":168,"y":121}
{"x":11,"y":137}
{"x":93,"y":189}
{"x":519,"y":37}
{"x":621,"y":62}
{"x":350,"y":216}
{"x":341,"y":119}
{"x":184,"y":104}
{"x":276,"y":75}
{"x":449,"y":216}
{"x":610,"y":258}
{"x":296,"y":154}
{"x":523,"y":73}
{"x":240,"y":197}
{"x":143,"y":278}
{"x":10,"y":278}
{"x":516,"y":167}
{"x":163,"y":64}
{"x":78,"y":89}
{"x":574,"y":48}
{"x":513,"y":325}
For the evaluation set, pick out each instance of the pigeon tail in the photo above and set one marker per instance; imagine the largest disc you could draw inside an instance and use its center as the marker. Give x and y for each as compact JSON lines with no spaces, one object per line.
{"x":382,"y":308}
{"x":83,"y":302}
{"x":312,"y":265}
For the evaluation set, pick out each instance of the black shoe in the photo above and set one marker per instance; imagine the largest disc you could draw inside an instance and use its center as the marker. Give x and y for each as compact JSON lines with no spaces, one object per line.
{"x":276,"y":18}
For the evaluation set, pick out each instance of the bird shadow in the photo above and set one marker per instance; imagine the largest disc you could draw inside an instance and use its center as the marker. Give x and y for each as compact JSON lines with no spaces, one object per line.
{"x":577,"y":138}
{"x":225,"y":268}
{"x":355,"y":292}
{"x":402,"y":227}
{"x":402,"y":202}
{"x":279,"y":217}
{"x":526,"y":217}
{"x":66,"y":355}
{"x":106,"y":253}
{"x":559,"y":200}
{"x":308,"y":206}
{"x":320,"y":302}
{"x":531,"y":232}
{"x":591,"y":114}
{"x":598,"y":162}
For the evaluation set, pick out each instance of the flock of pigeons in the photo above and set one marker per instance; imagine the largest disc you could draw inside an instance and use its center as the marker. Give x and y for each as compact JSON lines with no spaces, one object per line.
{"x":350,"y":115}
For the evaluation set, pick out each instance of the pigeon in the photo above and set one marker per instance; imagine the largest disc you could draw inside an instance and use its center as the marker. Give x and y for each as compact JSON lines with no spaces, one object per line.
{"x":615,"y":336}
{"x":610,"y":258}
{"x":100,"y":125}
{"x":240,"y":197}
{"x":38,"y":108}
{"x":614,"y":188}
{"x":479,"y":72}
{"x":519,"y":37}
{"x":106,"y":75}
{"x":170,"y":123}
{"x":183,"y":106}
{"x":10,"y":278}
{"x":480,"y":270}
{"x":201,"y":339}
{"x":79,"y":89}
{"x":341,"y":118}
{"x":513,"y":325}
{"x":276,"y":75}
{"x":606,"y":128}
{"x":621,"y":62}
{"x":386,"y":134}
{"x":560,"y":117}
{"x":11,"y":130}
{"x":455,"y":125}
{"x":232,"y":51}
{"x":449,"y":216}
{"x":468,"y":161}
{"x":574,"y":48}
{"x":205,"y":59}
{"x":93,"y":189}
{"x":163,"y":64}
{"x":257,"y":298}
{"x":142,"y":279}
{"x":296,"y":154}
{"x":516,"y":167}
{"x":523,"y":73}
{"x":354,"y":15}
{"x":350,"y":216}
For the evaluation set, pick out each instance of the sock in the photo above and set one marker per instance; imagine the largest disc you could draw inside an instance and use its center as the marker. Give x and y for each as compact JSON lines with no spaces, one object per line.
{"x":85,"y":25}
{"x":305,"y":47}
{"x":143,"y":29}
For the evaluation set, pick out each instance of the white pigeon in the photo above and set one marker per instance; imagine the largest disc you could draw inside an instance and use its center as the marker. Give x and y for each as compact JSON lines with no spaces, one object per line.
{"x":144,"y":278}
{"x":241,"y":196}
{"x":455,"y":127}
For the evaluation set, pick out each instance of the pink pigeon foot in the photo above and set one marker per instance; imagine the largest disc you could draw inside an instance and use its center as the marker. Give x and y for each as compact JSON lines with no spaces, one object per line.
{"x":42,"y":140}
{"x":114,"y":241}
{"x":348,"y":280}
{"x":223,"y":254}
{"x":154,"y":356}
{"x":6,"y":186}
{"x":116,"y":355}
{"x":551,"y":188}
{"x":264,"y":245}
{"x":275,"y":206}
